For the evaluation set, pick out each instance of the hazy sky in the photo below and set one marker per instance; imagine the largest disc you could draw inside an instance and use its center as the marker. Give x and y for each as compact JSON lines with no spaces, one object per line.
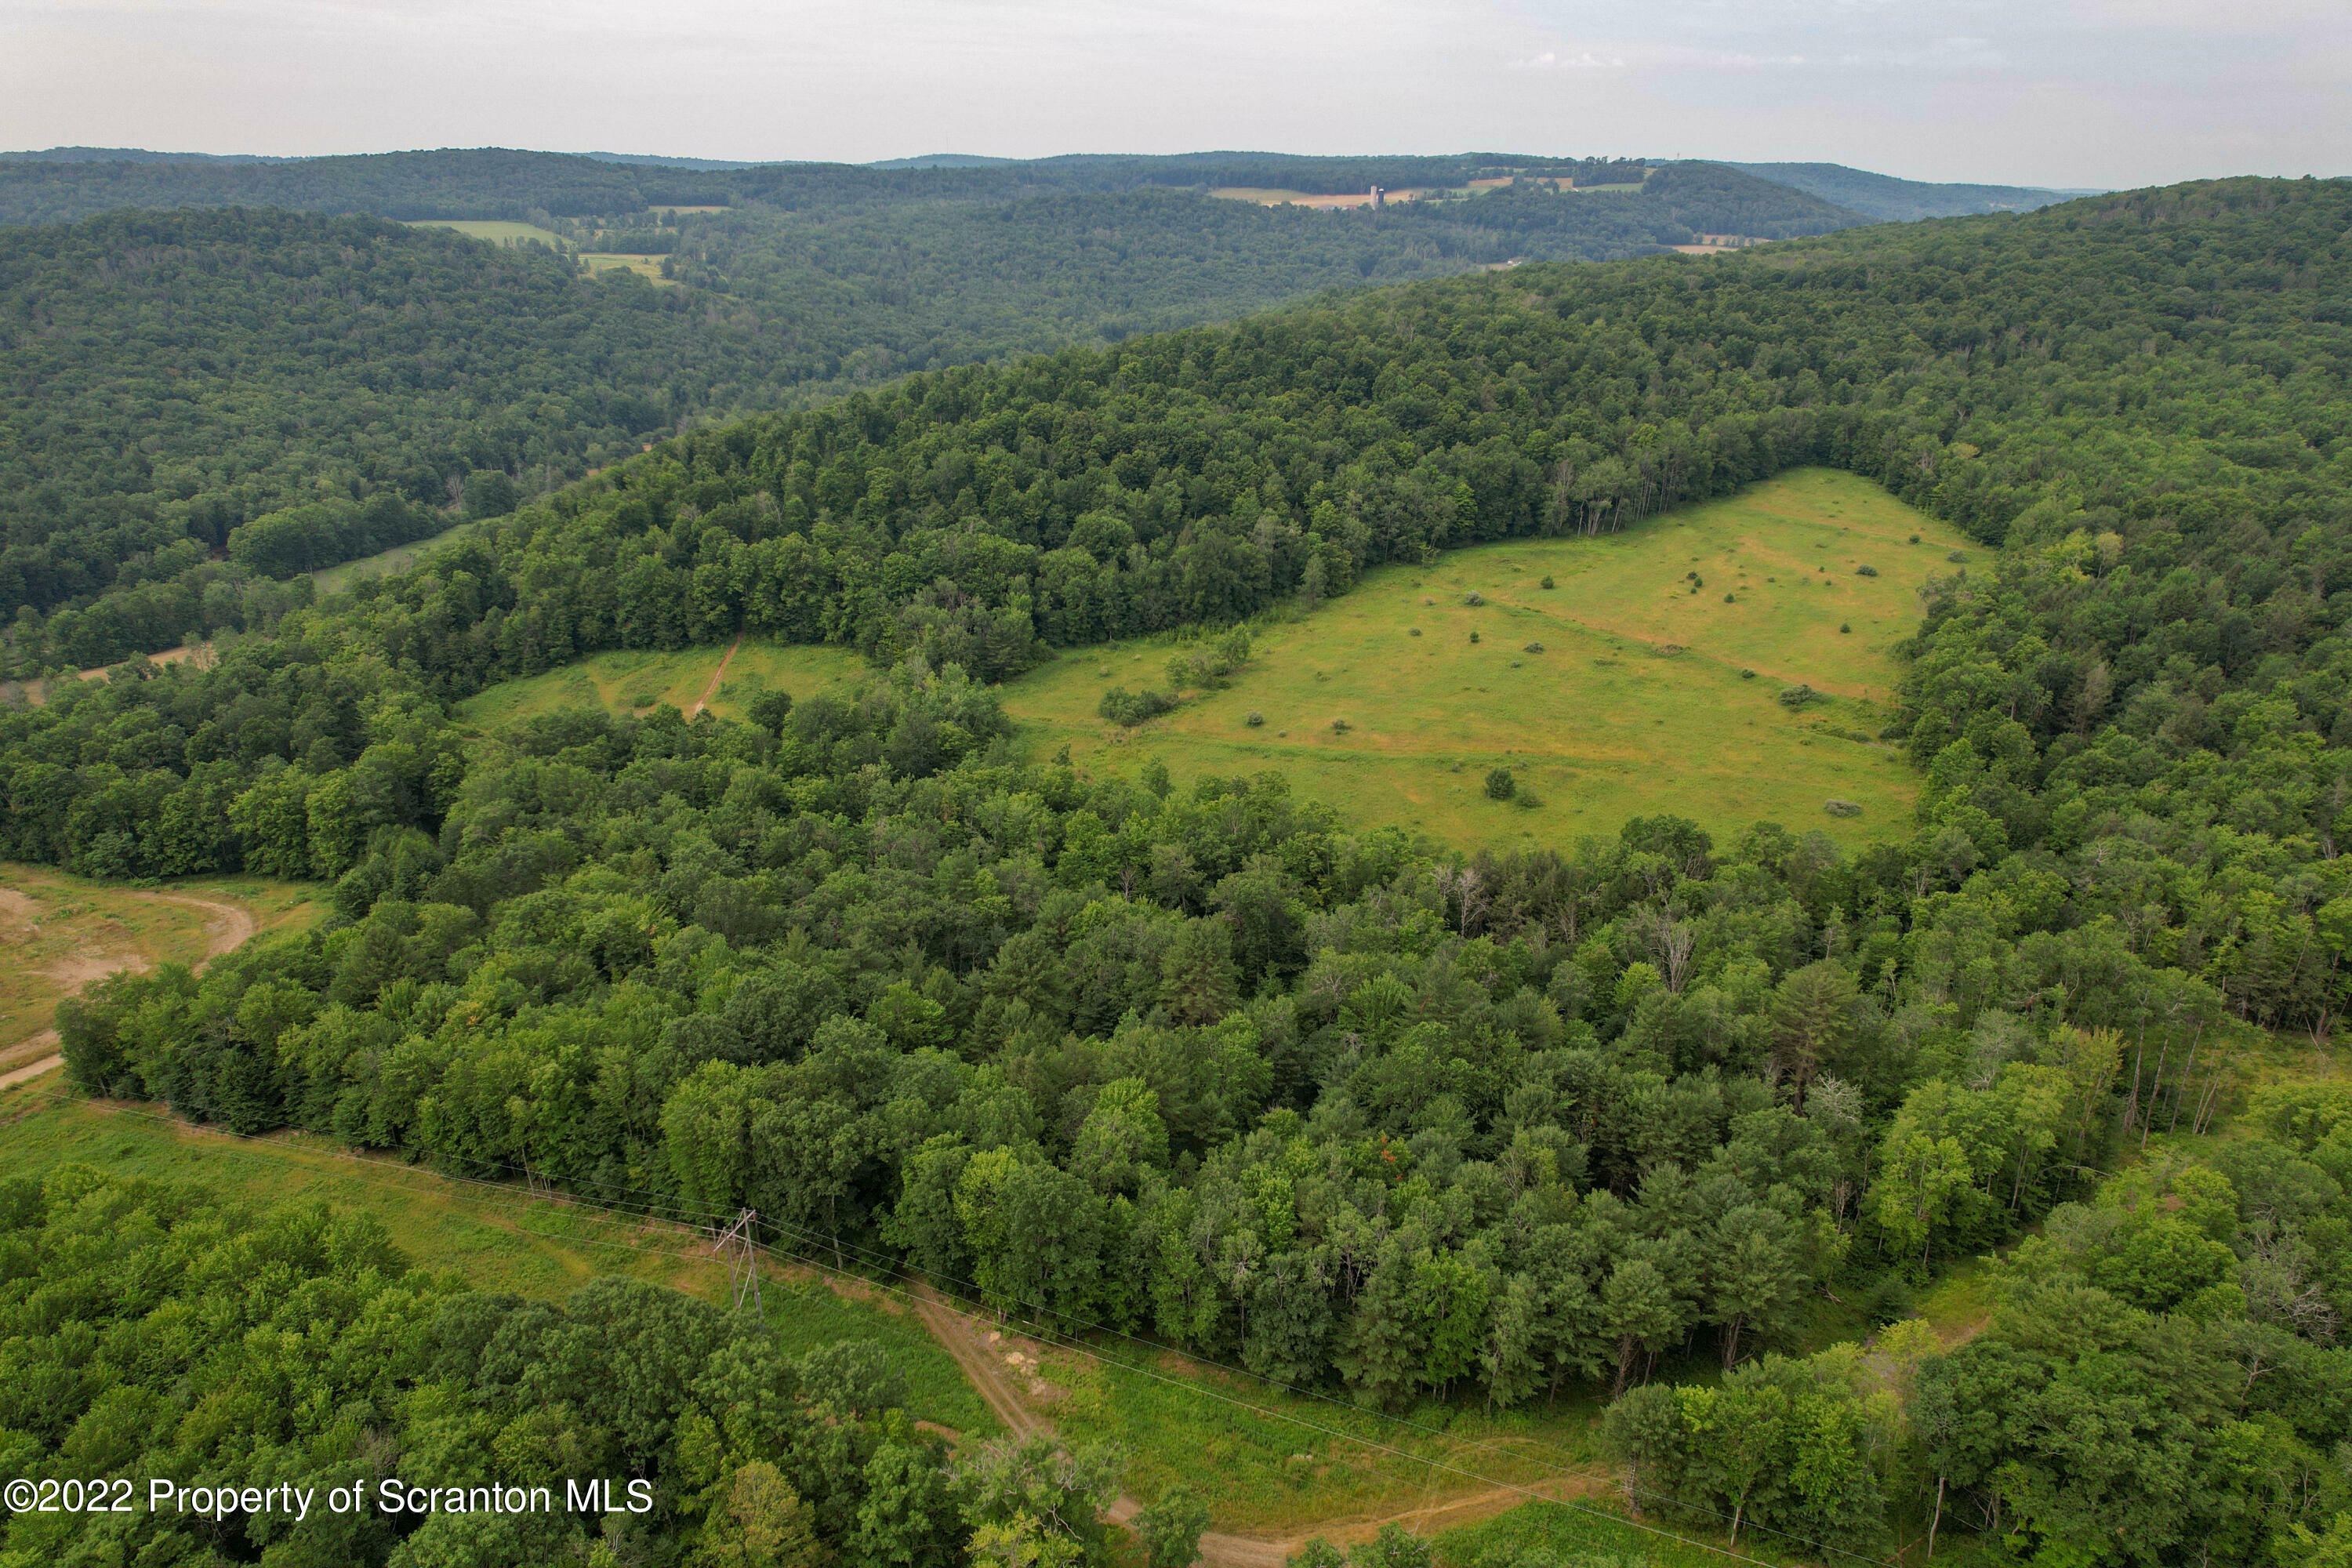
{"x":2061,"y":92}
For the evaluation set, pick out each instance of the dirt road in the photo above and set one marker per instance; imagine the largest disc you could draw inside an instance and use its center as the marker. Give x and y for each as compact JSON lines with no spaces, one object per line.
{"x":225,"y":926}
{"x":711,"y":690}
{"x":993,"y":1367}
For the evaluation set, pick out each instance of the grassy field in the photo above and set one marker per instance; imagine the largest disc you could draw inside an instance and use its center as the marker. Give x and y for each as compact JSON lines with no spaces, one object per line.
{"x":1266,"y":197}
{"x":633,"y":683}
{"x":1594,"y":1531}
{"x":399,"y":558}
{"x":61,"y":932}
{"x":497,"y":231}
{"x":1637,"y":701}
{"x":1276,"y":1464}
{"x":494,"y":1237}
{"x":645,"y":267}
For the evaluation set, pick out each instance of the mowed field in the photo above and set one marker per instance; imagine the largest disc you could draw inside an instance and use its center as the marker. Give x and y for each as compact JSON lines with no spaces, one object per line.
{"x":497,"y":231}
{"x":645,"y":267}
{"x":62,"y":932}
{"x":636,"y":682}
{"x":1636,"y":702}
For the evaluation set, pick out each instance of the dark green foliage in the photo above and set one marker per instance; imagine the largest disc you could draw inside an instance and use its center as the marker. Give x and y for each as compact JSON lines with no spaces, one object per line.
{"x":489,"y":492}
{"x":302,"y":390}
{"x":1500,"y":784}
{"x":1122,"y":707}
{"x":1170,"y":1529}
{"x":1204,"y":1062}
{"x":323,"y":1359}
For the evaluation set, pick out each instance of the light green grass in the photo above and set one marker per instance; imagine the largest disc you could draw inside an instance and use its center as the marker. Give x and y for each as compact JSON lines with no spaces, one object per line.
{"x":1274,"y":1463}
{"x":807,"y":1311}
{"x":62,"y":932}
{"x":1594,"y":1529}
{"x":1960,"y":1304}
{"x":1636,"y":705}
{"x":497,"y":231}
{"x":636,"y":681}
{"x":645,"y":267}
{"x":493,"y":1236}
{"x":384,"y":562}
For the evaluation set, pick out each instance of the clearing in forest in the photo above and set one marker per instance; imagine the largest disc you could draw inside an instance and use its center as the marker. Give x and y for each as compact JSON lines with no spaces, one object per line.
{"x":645,"y":267}
{"x":497,"y":231}
{"x":64,"y":932}
{"x":638,"y":681}
{"x":1624,"y":689}
{"x":333,"y":579}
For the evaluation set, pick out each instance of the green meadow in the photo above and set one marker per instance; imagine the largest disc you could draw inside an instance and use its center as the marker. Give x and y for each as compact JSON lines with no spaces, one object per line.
{"x":399,"y":558}
{"x":1647,"y":680}
{"x":634,"y":681}
{"x":497,"y":231}
{"x":645,"y":267}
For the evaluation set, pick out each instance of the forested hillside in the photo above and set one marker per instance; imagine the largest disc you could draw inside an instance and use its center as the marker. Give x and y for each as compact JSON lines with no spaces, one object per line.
{"x":499,"y":183}
{"x":154,"y":1330}
{"x":1197,"y":1058}
{"x":171,"y":378}
{"x":167,"y":379}
{"x":1890,"y":200}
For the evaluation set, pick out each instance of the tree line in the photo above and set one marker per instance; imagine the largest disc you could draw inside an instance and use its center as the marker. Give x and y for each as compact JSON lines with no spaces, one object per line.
{"x":174,"y":378}
{"x":154,"y":1330}
{"x":1352,"y":1111}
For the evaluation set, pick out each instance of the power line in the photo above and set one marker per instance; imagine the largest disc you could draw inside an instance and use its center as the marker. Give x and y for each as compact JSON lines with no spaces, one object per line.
{"x":882,"y":1261}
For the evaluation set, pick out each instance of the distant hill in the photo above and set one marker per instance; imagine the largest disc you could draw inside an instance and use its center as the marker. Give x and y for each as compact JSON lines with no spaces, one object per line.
{"x":656,"y":161}
{"x":496,"y":183}
{"x":132,"y":155}
{"x":942,"y":161}
{"x":1890,"y":200}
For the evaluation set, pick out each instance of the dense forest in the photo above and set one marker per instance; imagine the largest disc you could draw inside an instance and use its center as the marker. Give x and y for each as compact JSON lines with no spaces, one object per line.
{"x":173,"y":378}
{"x":275,"y":1364}
{"x":498,"y":182}
{"x":1890,"y":200}
{"x":1195,"y":1059}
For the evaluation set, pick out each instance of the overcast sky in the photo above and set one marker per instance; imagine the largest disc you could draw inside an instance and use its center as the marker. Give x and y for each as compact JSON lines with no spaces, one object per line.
{"x":2055,"y":93}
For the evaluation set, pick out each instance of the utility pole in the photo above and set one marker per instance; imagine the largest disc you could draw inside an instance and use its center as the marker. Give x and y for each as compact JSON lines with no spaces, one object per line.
{"x":743,"y":1262}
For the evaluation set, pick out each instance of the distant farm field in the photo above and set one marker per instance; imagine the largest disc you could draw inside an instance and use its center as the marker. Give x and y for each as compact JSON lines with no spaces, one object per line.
{"x":636,"y":681}
{"x":1636,"y":702}
{"x":645,"y":267}
{"x":1273,"y":198}
{"x":497,"y":231}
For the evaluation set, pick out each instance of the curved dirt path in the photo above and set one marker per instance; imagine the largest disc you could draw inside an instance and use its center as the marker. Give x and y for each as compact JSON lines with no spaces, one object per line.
{"x":965,"y":1340}
{"x":227,"y":927}
{"x":711,"y":690}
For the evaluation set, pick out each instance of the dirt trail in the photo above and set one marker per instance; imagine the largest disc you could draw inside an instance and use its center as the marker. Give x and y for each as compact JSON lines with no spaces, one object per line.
{"x":227,"y":927}
{"x":987,"y":1365}
{"x":711,"y":690}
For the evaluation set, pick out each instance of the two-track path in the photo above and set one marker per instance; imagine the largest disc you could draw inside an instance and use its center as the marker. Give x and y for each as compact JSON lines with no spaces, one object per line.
{"x":225,"y":926}
{"x":985,"y":1366}
{"x":711,"y":691}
